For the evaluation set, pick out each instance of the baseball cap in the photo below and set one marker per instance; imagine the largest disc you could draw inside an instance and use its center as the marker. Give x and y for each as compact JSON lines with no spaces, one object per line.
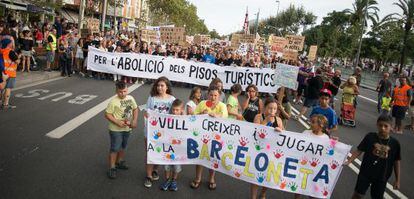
{"x":326,"y":92}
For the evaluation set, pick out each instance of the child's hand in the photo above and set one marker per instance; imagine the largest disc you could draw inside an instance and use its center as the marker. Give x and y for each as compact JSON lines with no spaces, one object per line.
{"x":121,"y":124}
{"x":205,"y":112}
{"x":397,"y":185}
{"x":239,"y":117}
{"x":133,"y":125}
{"x":278,"y":129}
{"x":212,"y":115}
{"x":145,"y":114}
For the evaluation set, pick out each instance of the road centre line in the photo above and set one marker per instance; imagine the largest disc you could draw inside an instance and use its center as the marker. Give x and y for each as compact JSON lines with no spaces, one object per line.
{"x":37,"y":83}
{"x":84,"y":117}
{"x":357,"y":161}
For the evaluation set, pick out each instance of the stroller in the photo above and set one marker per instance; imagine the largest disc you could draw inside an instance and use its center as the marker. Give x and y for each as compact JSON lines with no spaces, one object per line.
{"x":348,"y":109}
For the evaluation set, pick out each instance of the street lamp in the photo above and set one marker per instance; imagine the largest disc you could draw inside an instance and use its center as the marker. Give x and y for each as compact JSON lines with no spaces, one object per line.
{"x":278,"y":4}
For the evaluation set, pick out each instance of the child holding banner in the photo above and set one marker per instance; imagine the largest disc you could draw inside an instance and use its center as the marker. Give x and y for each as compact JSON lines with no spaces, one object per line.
{"x":253,"y":105}
{"x":214,"y":108}
{"x":269,"y":118}
{"x":195,"y":98}
{"x":161,"y":100}
{"x":382,"y":155}
{"x":233,"y":102}
{"x":171,"y":171}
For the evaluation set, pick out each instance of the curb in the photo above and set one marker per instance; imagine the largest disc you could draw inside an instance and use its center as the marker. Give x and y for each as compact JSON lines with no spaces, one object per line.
{"x":24,"y":79}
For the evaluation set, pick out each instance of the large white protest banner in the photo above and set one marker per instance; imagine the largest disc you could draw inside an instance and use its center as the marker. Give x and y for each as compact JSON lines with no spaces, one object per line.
{"x":199,"y":73}
{"x":253,"y":153}
{"x":286,"y":76}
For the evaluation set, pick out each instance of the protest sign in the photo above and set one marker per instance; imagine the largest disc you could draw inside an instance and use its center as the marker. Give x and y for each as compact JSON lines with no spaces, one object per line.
{"x":290,"y":55}
{"x":253,"y":153}
{"x":149,"y":36}
{"x":286,"y":76}
{"x":295,"y":42}
{"x":199,"y":73}
{"x":277,"y":44}
{"x":237,"y":39}
{"x":312,"y":52}
{"x":172,"y":35}
{"x":202,"y":40}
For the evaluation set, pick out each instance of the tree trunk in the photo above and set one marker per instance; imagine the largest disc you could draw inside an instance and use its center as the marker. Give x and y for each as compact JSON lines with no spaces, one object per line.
{"x":404,"y":48}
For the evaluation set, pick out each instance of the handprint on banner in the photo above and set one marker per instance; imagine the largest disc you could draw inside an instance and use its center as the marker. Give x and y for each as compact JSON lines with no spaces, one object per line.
{"x":325,"y":191}
{"x":156,"y":134}
{"x":304,"y":160}
{"x":230,"y":144}
{"x":192,"y":118}
{"x":237,"y":173}
{"x":215,"y":164}
{"x":153,"y":121}
{"x":260,"y":177}
{"x":258,"y":145}
{"x":262,"y":133}
{"x":315,"y":162}
{"x":293,"y":186}
{"x":170,"y":156}
{"x":334,"y":164}
{"x":205,"y":139}
{"x":330,"y":150}
{"x":282,"y":184}
{"x":217,"y":137}
{"x":176,"y":141}
{"x":158,"y":149}
{"x":195,"y":132}
{"x":278,"y":153}
{"x":243,"y":141}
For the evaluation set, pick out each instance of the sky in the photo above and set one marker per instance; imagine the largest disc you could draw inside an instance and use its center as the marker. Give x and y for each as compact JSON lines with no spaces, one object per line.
{"x":227,"y":16}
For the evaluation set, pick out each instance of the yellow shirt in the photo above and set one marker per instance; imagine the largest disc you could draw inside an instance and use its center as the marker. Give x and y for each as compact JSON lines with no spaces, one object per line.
{"x":121,"y":109}
{"x":220,"y":109}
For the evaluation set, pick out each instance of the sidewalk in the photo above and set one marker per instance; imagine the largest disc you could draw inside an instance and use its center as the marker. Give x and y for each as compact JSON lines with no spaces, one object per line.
{"x":25,"y":78}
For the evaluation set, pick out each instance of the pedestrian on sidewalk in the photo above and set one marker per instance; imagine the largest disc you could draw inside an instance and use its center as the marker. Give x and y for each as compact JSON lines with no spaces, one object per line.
{"x":27,"y":50}
{"x":122,"y":114}
{"x":50,"y":49}
{"x":382,"y":156}
{"x":384,"y":86}
{"x":65,"y":58}
{"x":401,"y":100}
{"x":11,"y":60}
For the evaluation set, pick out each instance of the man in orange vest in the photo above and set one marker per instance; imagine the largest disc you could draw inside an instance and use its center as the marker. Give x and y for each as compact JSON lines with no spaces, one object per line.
{"x":401,"y":99}
{"x":10,"y":66}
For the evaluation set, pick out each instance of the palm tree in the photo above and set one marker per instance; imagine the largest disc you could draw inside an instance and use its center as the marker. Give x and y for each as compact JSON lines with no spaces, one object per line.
{"x":407,"y":17}
{"x":358,"y":11}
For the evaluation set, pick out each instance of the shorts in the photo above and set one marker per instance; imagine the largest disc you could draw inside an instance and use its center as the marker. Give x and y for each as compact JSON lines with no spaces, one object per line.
{"x":310,"y":102}
{"x":173,"y":168}
{"x":26,"y":53}
{"x":399,"y":112}
{"x":119,"y":140}
{"x":50,"y":56}
{"x":11,"y":82}
{"x":377,"y":186}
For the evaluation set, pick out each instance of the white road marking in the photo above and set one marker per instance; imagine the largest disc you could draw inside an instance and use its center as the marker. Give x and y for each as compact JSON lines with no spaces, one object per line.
{"x":366,"y":98}
{"x":37,"y":83}
{"x":358,"y":162}
{"x":84,"y":117}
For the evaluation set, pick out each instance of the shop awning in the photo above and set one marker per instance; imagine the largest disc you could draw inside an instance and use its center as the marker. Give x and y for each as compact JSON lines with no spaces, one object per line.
{"x":13,"y":6}
{"x":69,"y":15}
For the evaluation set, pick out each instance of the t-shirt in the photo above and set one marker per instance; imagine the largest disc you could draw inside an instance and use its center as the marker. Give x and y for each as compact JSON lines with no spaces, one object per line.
{"x":191,"y":104}
{"x":160,"y":105}
{"x":121,"y":109}
{"x":209,"y":58}
{"x":234,"y":104}
{"x":314,"y":86}
{"x":385,"y":85}
{"x":334,"y":87}
{"x":85,"y":48}
{"x":379,"y":156}
{"x":329,"y":113}
{"x":220,"y":108}
{"x":252,"y":110}
{"x":310,"y":134}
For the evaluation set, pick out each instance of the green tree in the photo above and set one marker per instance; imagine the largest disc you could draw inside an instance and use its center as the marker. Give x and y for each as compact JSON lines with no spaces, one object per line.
{"x":214,"y":34}
{"x":407,"y":18}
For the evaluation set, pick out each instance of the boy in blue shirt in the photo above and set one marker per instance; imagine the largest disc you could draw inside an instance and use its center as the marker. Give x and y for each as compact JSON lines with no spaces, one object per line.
{"x":325,"y":110}
{"x":208,"y":57}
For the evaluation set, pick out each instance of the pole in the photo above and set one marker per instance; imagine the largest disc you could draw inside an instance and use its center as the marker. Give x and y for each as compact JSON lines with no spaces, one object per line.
{"x":362,"y":32}
{"x":81,"y":15}
{"x":104,"y":15}
{"x":278,"y":4}
{"x":115,"y":21}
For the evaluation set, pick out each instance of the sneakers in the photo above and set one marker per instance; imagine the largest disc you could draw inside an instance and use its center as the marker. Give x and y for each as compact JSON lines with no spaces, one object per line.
{"x":166,"y":185}
{"x":173,"y":186}
{"x":148,"y":182}
{"x":155,"y":175}
{"x":122,"y":165}
{"x":112,"y":173}
{"x":9,"y":106}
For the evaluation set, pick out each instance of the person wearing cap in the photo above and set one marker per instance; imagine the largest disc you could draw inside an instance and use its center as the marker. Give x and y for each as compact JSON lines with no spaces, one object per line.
{"x":10,"y":59}
{"x":324,"y":109}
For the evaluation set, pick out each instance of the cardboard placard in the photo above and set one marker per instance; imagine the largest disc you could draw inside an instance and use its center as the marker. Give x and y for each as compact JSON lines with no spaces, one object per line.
{"x":312,"y":52}
{"x":290,"y":55}
{"x":149,"y":36}
{"x":295,"y":42}
{"x":277,"y":44}
{"x":237,"y":39}
{"x":202,"y":40}
{"x":172,"y":35}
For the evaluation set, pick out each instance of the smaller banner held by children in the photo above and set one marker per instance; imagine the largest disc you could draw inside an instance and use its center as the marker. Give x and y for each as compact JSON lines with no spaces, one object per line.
{"x":286,"y":76}
{"x":253,"y":153}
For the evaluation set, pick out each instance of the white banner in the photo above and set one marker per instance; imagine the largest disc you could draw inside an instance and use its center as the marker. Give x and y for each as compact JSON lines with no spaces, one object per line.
{"x":180,"y":70}
{"x":253,"y":153}
{"x":286,"y":76}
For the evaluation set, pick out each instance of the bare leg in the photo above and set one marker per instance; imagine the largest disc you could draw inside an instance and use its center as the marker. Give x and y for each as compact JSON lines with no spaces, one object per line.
{"x":253,"y":191}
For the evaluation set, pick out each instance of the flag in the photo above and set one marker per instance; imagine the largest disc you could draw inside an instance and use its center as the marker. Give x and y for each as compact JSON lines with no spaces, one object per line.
{"x":246,"y":23}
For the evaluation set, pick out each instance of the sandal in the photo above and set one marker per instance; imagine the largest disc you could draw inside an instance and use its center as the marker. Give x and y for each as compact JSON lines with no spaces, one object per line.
{"x":212,"y":186}
{"x":195,"y":184}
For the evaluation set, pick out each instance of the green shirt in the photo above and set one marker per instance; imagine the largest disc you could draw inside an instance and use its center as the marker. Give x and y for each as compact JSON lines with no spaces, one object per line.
{"x":121,"y":109}
{"x":234,"y":104}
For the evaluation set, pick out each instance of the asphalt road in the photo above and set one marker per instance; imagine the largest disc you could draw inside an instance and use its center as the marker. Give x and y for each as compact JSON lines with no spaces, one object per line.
{"x":33,"y":165}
